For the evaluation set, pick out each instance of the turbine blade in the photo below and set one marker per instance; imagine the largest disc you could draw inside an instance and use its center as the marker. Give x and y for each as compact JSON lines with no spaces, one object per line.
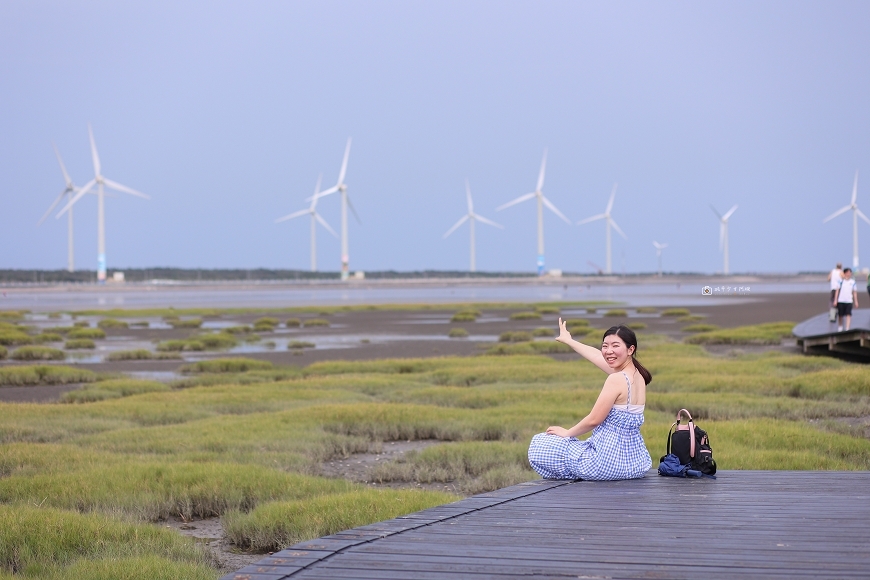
{"x":124,"y":189}
{"x":616,"y":227}
{"x":316,"y":195}
{"x":520,"y":199}
{"x":66,"y":179}
{"x":855,"y":189}
{"x":353,"y":210}
{"x":468,"y":197}
{"x":862,"y":216}
{"x":324,"y":224}
{"x":344,"y":163}
{"x":612,"y":197}
{"x":295,"y":214}
{"x":553,"y":209}
{"x":52,"y":206}
{"x":94,"y":155}
{"x":329,"y":191}
{"x":728,"y":215}
{"x":836,"y":213}
{"x":77,"y":197}
{"x":592,"y":219}
{"x":480,"y":218}
{"x":541,"y":174}
{"x":718,"y":215}
{"x":461,"y":221}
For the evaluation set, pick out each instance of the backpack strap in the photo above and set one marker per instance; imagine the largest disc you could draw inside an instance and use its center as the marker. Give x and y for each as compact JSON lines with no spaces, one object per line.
{"x":690,"y":425}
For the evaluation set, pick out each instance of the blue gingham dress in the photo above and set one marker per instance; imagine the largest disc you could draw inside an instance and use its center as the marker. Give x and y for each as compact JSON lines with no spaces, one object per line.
{"x":615,"y":450}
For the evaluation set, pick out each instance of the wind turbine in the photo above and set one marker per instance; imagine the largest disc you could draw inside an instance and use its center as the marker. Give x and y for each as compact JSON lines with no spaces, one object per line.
{"x":723,"y":234}
{"x":315,"y":217}
{"x":341,"y":187}
{"x":542,"y":201}
{"x":606,"y":216}
{"x":70,"y":189}
{"x":101,"y":183}
{"x":856,"y":213}
{"x":659,"y":247}
{"x":471,"y":217}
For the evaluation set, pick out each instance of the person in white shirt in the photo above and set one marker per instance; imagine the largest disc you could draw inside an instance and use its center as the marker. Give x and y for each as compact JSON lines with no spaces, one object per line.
{"x":834,"y":276}
{"x":846,"y":297}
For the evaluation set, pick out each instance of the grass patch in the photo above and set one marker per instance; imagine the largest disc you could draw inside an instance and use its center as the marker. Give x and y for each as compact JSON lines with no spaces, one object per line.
{"x":227,"y":365}
{"x":458,"y":332}
{"x":466,"y":315}
{"x":637,"y":325}
{"x":37,"y":353}
{"x":771,"y":333}
{"x":183,"y":323}
{"x":534,"y":347}
{"x":212,"y":341}
{"x":543,"y":332}
{"x":691,"y":318}
{"x":141,"y":354}
{"x":675,"y":312}
{"x":293,"y":323}
{"x":515,"y":336}
{"x":81,"y":324}
{"x":112,"y":389}
{"x":44,"y":337}
{"x":9,"y":315}
{"x":3,"y":352}
{"x":647,"y":310}
{"x":526,"y":315}
{"x":112,"y":323}
{"x":91,"y":333}
{"x":276,"y":525}
{"x":140,"y":324}
{"x":44,"y":375}
{"x":243,"y":329}
{"x":548,"y":309}
{"x":616,"y":312}
{"x":14,"y":336}
{"x":265,"y":324}
{"x":80,"y":344}
{"x":300,"y":344}
{"x":314,"y":322}
{"x":700,"y":327}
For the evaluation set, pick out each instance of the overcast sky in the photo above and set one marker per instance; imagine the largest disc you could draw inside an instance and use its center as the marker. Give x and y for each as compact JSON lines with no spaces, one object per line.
{"x":225,"y":113}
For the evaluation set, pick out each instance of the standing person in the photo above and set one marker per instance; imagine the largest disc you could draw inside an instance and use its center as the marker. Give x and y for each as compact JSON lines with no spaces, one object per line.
{"x":834,"y":277}
{"x":845,"y":297}
{"x":615,"y":450}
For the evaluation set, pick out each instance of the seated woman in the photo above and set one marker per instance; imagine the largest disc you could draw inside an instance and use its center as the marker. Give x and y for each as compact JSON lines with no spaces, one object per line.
{"x":615,"y":450}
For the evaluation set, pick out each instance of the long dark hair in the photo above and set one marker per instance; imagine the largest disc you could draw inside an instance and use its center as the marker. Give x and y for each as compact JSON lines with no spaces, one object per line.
{"x":630,"y":339}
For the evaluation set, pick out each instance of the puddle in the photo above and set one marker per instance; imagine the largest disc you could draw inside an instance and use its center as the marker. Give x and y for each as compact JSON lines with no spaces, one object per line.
{"x":162,"y":376}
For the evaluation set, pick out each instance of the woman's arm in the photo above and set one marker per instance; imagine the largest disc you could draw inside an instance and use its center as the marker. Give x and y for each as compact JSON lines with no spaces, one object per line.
{"x":593,"y":355}
{"x":609,"y":393}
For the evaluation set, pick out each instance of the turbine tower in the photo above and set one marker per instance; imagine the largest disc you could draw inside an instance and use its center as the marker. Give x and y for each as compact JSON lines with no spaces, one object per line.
{"x":70,"y":189}
{"x":542,"y":201}
{"x":610,"y":223}
{"x":856,"y":213}
{"x":470,"y":217}
{"x":723,"y":235}
{"x":659,"y":247}
{"x":341,"y":187}
{"x":101,"y":182}
{"x":315,"y":217}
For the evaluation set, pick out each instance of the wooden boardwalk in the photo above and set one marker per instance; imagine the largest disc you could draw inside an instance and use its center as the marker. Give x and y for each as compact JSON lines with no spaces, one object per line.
{"x":745,"y":524}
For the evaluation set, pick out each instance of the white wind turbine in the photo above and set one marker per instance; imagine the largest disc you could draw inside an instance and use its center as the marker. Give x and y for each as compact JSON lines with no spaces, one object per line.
{"x":315,"y":217}
{"x":471,"y":217}
{"x":542,"y":201}
{"x":610,"y":223}
{"x":723,"y":234}
{"x":659,"y":247}
{"x":856,"y":213}
{"x":341,"y":187}
{"x":70,"y":189}
{"x":101,"y":183}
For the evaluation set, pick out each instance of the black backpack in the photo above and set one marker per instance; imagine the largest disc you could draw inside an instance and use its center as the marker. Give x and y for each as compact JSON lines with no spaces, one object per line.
{"x":691,"y":445}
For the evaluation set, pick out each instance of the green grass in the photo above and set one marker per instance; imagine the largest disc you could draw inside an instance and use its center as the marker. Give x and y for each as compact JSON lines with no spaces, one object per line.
{"x":637,"y":325}
{"x":543,"y":332}
{"x":548,"y":309}
{"x":79,"y":344}
{"x":293,"y":323}
{"x":44,"y":337}
{"x":227,"y":365}
{"x":466,"y":315}
{"x":3,"y":352}
{"x":92,"y":333}
{"x":576,"y":322}
{"x":112,"y":389}
{"x":647,"y":310}
{"x":300,"y":344}
{"x":112,"y":323}
{"x":691,"y":318}
{"x":184,"y":323}
{"x":616,"y":312}
{"x":458,"y":332}
{"x":676,"y":312}
{"x":44,"y":375}
{"x":140,"y":324}
{"x":274,"y":526}
{"x":37,"y":353}
{"x":200,"y":342}
{"x":13,"y":336}
{"x":265,"y":324}
{"x":527,"y":315}
{"x":535,"y":347}
{"x":8,"y":315}
{"x":242,"y":329}
{"x":82,"y":324}
{"x":771,"y":333}
{"x":515,"y":336}
{"x":141,"y":354}
{"x":700,"y":327}
{"x":314,"y":322}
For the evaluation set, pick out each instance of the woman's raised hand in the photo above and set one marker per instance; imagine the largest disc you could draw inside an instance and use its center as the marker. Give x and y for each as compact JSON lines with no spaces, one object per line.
{"x":564,"y":335}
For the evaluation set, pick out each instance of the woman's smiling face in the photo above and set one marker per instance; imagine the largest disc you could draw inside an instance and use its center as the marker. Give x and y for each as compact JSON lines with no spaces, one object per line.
{"x":615,"y":353}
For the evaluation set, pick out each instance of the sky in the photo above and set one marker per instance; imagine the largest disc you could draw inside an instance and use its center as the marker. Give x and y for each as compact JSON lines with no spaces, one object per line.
{"x":225,"y":113}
